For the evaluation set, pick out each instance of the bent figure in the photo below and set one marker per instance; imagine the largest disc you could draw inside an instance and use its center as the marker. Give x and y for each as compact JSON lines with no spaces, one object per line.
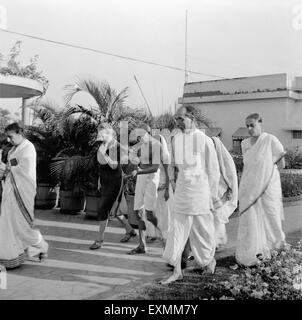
{"x":260,"y":195}
{"x":110,"y":175}
{"x":18,"y":239}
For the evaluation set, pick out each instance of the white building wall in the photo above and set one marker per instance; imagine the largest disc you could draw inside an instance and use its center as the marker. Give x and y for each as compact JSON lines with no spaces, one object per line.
{"x":277,"y":98}
{"x":250,"y":84}
{"x":231,"y":115}
{"x":293,"y":121}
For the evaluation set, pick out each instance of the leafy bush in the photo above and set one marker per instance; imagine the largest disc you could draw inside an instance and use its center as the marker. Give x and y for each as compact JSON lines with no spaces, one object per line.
{"x":291,"y":184}
{"x":13,"y":67}
{"x":238,"y":160}
{"x":293,"y":159}
{"x":278,"y":278}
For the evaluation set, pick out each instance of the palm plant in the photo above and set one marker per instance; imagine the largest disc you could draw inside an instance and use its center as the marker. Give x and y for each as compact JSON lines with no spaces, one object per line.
{"x":46,"y":135}
{"x":81,"y":124}
{"x":110,"y":103}
{"x":164,"y":121}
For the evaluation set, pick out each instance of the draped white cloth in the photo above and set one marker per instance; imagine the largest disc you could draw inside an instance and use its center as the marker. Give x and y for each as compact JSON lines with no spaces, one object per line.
{"x":163,"y":215}
{"x":197,"y":182}
{"x":18,"y":239}
{"x":227,"y":191}
{"x":260,"y":224}
{"x":195,"y":198}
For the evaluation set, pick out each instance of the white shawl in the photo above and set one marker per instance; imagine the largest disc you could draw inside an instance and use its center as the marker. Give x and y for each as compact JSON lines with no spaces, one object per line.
{"x":259,"y":161}
{"x":228,"y":184}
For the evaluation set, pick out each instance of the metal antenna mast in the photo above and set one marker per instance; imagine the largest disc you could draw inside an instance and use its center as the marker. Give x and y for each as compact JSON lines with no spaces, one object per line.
{"x":143,"y":95}
{"x":186,"y":49}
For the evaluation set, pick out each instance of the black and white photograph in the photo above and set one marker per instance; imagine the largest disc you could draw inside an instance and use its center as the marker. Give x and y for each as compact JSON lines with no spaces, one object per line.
{"x":151,"y":151}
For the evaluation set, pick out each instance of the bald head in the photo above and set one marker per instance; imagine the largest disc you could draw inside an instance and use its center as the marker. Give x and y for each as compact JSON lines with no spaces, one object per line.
{"x":145,"y":127}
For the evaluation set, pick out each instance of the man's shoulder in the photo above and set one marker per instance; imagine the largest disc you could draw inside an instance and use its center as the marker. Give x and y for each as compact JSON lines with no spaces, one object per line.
{"x":29,"y":144}
{"x":201,"y":135}
{"x":245,"y":141}
{"x":269,"y":136}
{"x":154,"y":141}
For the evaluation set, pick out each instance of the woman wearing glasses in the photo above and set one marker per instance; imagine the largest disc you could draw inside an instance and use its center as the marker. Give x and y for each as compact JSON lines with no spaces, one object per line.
{"x":260,"y":195}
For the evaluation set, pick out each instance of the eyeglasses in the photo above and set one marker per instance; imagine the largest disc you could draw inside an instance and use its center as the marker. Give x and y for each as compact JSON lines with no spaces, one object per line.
{"x":182,"y":118}
{"x":179,"y":118}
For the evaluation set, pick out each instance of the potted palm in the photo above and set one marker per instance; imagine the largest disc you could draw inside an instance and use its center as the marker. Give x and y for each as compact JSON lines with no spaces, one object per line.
{"x":69,"y":168}
{"x":109,"y":107}
{"x":44,"y":133}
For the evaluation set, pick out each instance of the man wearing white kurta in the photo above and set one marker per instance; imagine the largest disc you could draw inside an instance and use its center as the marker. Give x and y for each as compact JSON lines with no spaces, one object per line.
{"x":196,"y":196}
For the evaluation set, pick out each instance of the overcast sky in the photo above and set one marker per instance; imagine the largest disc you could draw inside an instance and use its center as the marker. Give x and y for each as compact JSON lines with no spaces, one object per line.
{"x":227,"y":38}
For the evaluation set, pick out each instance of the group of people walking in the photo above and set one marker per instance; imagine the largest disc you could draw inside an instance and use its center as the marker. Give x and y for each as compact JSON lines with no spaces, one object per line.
{"x":187,"y":190}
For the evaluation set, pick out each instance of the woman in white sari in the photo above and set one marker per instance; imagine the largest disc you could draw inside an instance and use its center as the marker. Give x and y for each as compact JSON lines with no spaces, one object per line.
{"x":260,"y":195}
{"x":18,"y":239}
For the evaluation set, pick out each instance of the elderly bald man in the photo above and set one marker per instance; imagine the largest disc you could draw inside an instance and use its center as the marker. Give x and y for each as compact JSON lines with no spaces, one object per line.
{"x":148,"y":176}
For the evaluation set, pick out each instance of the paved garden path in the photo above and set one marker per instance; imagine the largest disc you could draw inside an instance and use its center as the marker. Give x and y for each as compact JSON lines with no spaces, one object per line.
{"x":72,"y":271}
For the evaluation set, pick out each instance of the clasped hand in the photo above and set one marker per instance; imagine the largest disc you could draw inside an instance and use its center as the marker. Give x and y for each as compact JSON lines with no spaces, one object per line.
{"x":3,"y":170}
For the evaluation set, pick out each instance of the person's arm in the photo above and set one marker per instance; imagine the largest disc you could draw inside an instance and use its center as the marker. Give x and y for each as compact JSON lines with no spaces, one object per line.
{"x":281,"y":163}
{"x":278,"y":153}
{"x":213,"y":171}
{"x":167,"y":184}
{"x":151,"y":169}
{"x":165,"y":160}
{"x":25,"y":164}
{"x":174,"y":167}
{"x":103,"y":158}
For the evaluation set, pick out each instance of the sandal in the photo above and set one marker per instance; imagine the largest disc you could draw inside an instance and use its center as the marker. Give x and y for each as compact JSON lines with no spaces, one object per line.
{"x":96,"y":245}
{"x":137,"y":250}
{"x":150,"y":239}
{"x":128,"y":236}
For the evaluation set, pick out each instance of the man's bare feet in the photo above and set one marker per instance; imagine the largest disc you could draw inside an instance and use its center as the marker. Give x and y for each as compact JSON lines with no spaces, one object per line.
{"x":175,"y":277}
{"x":210,"y":268}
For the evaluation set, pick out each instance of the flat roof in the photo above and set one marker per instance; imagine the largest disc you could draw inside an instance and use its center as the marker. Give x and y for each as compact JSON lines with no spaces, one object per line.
{"x":19,"y":87}
{"x":241,"y":132}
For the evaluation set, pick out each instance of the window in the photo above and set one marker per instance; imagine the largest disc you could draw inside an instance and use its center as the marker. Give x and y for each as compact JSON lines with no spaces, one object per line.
{"x":297,"y":134}
{"x":237,"y":145}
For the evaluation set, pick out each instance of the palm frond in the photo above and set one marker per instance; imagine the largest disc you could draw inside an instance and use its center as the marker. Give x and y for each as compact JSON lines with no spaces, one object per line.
{"x":116,"y":102}
{"x":79,"y":110}
{"x":93,"y":88}
{"x":68,"y":170}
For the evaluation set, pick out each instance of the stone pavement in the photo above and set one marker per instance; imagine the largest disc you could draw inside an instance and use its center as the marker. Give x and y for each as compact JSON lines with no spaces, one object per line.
{"x":72,"y":271}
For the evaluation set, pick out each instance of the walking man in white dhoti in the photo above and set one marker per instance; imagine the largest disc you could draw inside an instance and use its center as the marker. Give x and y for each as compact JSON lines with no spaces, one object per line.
{"x":147,"y":182}
{"x":227,"y":192}
{"x":196,"y":196}
{"x":18,"y":239}
{"x":260,"y":195}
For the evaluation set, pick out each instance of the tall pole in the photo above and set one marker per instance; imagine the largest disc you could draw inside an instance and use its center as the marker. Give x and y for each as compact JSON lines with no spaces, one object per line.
{"x":25,"y":112}
{"x":143,"y":95}
{"x":186,"y":48}
{"x":162,"y":101}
